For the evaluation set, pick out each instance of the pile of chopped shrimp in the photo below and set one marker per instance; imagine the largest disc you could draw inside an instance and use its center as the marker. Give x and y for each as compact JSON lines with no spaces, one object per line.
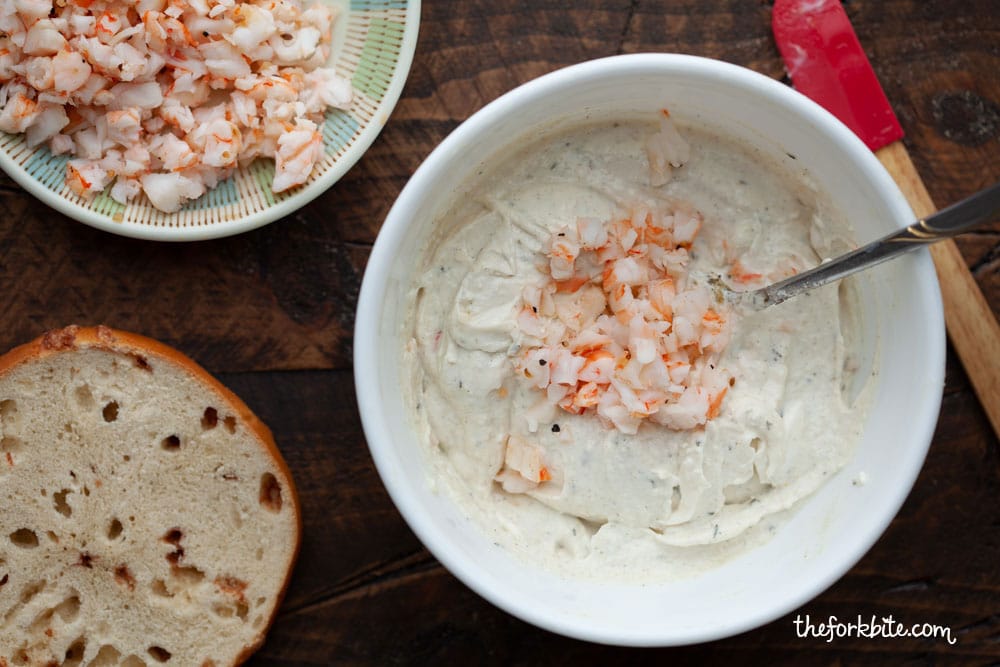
{"x":620,"y":330}
{"x":167,"y":97}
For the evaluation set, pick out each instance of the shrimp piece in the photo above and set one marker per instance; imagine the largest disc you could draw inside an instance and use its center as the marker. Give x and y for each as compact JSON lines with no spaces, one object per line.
{"x":33,"y":9}
{"x":556,"y":394}
{"x":17,"y":113}
{"x":38,"y":72}
{"x":253,"y":26}
{"x":565,"y":366}
{"x":244,"y":109}
{"x":688,"y":412}
{"x":589,"y":340}
{"x":46,"y":125}
{"x":301,"y":45}
{"x":536,"y":368}
{"x":175,"y":154}
{"x":262,"y":88}
{"x":168,"y":192}
{"x":145,"y":95}
{"x":223,"y":142}
{"x":60,"y":144}
{"x":324,"y":88}
{"x":563,"y":251}
{"x":99,"y":55}
{"x":591,"y":232}
{"x":177,"y":115}
{"x":665,"y":149}
{"x":220,"y":7}
{"x":135,"y":161}
{"x":70,"y":71}
{"x":661,"y":296}
{"x":611,"y":410}
{"x":678,"y":370}
{"x":686,"y":226}
{"x":125,"y":190}
{"x":641,"y":340}
{"x":9,"y":60}
{"x":124,"y":126}
{"x":86,"y":177}
{"x":627,"y":271}
{"x":598,"y":367}
{"x":93,"y":91}
{"x":529,"y":323}
{"x":298,"y":151}
{"x":134,"y":63}
{"x":685,"y":331}
{"x":621,"y":300}
{"x":107,"y":26}
{"x":81,"y":25}
{"x":223,"y":60}
{"x":587,"y":396}
{"x":673,"y":261}
{"x":90,"y":142}
{"x":43,"y":39}
{"x":320,"y":17}
{"x":199,"y":7}
{"x":712,"y":328}
{"x":523,"y":466}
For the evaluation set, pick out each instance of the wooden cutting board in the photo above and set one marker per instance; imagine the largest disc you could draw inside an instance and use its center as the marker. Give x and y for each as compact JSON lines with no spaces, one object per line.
{"x":971,"y":325}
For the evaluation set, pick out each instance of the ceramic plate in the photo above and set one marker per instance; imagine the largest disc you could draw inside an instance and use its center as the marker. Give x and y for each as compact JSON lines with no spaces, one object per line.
{"x":372,"y":47}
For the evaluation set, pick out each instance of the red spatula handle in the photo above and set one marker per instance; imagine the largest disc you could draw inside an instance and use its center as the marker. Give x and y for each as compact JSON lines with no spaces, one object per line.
{"x":827,"y":64}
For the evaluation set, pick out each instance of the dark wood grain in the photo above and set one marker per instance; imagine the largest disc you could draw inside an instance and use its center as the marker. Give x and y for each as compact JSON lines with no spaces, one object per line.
{"x":271,"y":312}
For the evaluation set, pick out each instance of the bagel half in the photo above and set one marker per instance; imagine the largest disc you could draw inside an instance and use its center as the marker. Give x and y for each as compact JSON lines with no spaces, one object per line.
{"x":146,"y":515}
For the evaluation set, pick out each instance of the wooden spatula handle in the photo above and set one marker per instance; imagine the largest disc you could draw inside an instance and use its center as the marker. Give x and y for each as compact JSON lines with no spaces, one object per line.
{"x":972,"y":327}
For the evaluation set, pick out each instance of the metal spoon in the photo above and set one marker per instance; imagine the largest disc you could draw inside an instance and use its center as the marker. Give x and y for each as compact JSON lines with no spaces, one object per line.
{"x":980,"y":208}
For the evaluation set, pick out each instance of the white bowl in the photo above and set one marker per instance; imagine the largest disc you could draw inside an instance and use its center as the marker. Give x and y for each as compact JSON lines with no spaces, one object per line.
{"x":830,"y":531}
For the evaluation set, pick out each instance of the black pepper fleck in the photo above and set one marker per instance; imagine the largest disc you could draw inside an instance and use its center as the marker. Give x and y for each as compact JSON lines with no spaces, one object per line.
{"x":542,"y":362}
{"x":555,"y":428}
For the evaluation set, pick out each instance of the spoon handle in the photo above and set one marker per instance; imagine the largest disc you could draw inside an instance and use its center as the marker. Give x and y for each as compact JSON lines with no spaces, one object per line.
{"x":980,"y":208}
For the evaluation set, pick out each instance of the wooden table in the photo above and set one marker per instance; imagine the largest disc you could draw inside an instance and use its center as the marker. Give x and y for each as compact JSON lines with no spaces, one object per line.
{"x":271,"y":313}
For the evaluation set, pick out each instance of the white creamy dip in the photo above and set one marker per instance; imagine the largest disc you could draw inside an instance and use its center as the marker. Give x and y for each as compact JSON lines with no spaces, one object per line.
{"x":660,"y":503}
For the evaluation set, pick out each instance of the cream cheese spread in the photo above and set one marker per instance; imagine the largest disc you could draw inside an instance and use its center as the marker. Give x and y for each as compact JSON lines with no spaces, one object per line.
{"x":659,"y":503}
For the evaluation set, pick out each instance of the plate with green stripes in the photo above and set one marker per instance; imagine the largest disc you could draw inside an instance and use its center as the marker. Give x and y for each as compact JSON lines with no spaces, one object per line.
{"x":373,"y":46}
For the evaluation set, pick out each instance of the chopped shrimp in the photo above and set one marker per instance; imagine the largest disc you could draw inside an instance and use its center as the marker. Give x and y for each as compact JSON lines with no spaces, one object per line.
{"x":523,"y":466}
{"x":70,"y":71}
{"x":32,"y":9}
{"x":39,"y":74}
{"x":43,"y":39}
{"x":86,"y":177}
{"x":664,"y":150}
{"x":170,"y":96}
{"x":18,"y":113}
{"x":298,"y":151}
{"x":637,"y":339}
{"x":46,"y":125}
{"x":169,"y":191}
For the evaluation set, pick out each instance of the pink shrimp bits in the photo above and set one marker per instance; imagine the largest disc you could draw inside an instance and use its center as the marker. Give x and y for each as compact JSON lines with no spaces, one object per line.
{"x":620,"y":330}
{"x":167,"y":97}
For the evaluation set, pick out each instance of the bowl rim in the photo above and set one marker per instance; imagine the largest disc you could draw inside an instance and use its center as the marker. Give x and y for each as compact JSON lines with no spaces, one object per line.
{"x":376,"y":284}
{"x":246,"y":223}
